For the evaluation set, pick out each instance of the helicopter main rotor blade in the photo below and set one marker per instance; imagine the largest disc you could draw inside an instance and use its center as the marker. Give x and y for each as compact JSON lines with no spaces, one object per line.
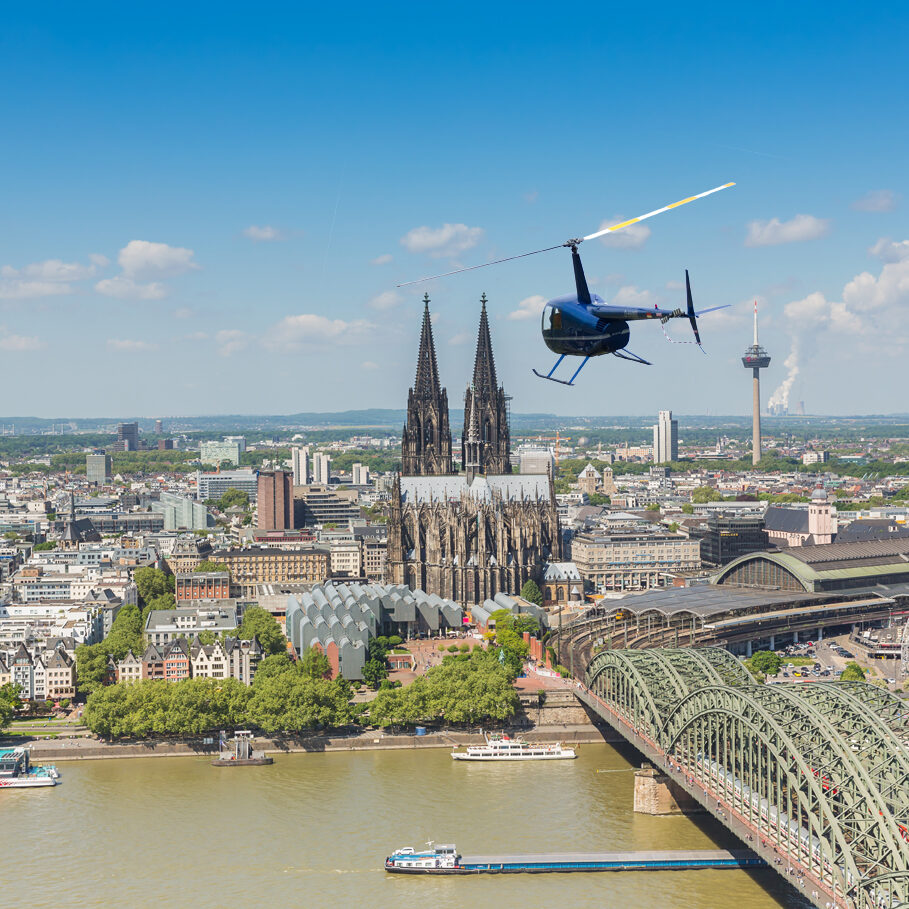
{"x":457,"y":271}
{"x":659,"y":211}
{"x":570,"y":243}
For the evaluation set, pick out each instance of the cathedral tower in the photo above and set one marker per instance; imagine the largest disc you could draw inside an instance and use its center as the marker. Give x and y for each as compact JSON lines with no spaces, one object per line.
{"x":426,"y":445}
{"x":485,"y":405}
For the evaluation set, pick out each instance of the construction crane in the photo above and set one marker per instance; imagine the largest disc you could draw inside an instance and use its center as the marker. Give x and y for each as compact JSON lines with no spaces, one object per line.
{"x":558,"y":438}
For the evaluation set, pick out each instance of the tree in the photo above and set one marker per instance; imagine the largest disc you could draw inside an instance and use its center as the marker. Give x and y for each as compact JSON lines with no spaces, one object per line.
{"x":687,"y":508}
{"x":514,"y":648}
{"x":9,"y":701}
{"x":272,"y":665}
{"x":853,"y":673}
{"x":260,"y":624}
{"x":91,"y":667}
{"x":314,"y":664}
{"x":532,"y":593}
{"x":152,"y":582}
{"x":208,"y":565}
{"x":233,"y":497}
{"x":374,"y":671}
{"x":704,"y":494}
{"x":46,"y":546}
{"x":765,"y":662}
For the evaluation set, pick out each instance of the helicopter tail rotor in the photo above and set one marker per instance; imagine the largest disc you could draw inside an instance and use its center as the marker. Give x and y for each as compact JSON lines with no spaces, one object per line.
{"x":692,"y":315}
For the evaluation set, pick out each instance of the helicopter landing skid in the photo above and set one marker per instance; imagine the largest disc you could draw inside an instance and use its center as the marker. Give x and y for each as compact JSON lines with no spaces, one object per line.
{"x":631,"y":357}
{"x":554,"y":368}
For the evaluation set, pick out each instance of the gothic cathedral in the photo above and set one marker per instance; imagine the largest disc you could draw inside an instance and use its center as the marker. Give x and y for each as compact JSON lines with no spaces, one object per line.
{"x":484,"y":531}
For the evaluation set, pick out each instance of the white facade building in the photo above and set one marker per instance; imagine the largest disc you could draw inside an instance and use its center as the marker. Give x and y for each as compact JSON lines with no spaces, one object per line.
{"x":300,"y":465}
{"x":321,"y":468}
{"x":665,"y":438}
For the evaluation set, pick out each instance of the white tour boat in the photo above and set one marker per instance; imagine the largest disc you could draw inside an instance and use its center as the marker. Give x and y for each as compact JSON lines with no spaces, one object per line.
{"x":501,"y":747}
{"x":17,"y":772}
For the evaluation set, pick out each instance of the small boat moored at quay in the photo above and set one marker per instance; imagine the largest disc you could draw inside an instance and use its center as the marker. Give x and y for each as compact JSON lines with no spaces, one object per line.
{"x":501,"y":747}
{"x":18,"y":772}
{"x":238,"y":752}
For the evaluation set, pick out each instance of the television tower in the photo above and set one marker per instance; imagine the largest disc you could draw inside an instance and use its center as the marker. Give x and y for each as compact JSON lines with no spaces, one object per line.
{"x":756,"y":359}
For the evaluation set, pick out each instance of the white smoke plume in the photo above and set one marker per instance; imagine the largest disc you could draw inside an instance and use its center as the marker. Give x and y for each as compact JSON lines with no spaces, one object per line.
{"x":780,"y":398}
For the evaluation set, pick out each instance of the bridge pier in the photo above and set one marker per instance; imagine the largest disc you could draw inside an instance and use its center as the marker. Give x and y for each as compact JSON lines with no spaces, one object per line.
{"x":655,"y":793}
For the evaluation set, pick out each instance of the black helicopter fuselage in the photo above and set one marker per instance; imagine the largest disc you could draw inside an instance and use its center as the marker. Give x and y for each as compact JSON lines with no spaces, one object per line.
{"x":573,"y":328}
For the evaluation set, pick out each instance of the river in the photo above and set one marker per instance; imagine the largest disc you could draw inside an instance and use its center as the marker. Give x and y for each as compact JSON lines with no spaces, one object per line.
{"x":312,"y":830}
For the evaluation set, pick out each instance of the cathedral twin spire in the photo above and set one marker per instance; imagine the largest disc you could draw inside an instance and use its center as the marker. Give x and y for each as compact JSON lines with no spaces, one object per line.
{"x":485,"y":443}
{"x":427,"y":380}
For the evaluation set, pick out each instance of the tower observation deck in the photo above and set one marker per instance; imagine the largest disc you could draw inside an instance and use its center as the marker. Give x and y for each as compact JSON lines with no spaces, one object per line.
{"x":756,"y":359}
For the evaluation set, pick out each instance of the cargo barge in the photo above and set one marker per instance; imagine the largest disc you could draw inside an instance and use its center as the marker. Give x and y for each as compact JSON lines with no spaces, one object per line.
{"x":446,"y":859}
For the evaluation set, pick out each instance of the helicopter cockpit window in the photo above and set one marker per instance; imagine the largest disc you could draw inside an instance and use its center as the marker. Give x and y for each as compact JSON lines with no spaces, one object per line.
{"x":555,"y":318}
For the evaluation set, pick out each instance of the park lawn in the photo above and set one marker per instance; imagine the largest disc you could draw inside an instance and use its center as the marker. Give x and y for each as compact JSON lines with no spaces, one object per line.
{"x":799,"y":661}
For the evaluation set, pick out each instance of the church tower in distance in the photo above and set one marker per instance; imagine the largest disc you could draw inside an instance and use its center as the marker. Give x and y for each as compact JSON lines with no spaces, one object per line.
{"x":485,"y":411}
{"x":426,"y":446}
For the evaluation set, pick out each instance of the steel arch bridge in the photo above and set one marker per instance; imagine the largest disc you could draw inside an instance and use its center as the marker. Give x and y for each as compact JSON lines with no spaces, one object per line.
{"x":816,"y":774}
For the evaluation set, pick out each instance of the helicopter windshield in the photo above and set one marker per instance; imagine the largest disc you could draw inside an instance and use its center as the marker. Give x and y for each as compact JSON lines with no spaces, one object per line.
{"x":552,"y":318}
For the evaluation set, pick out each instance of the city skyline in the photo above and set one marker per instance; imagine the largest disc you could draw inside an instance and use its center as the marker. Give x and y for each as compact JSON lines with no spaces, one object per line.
{"x":244,"y":205}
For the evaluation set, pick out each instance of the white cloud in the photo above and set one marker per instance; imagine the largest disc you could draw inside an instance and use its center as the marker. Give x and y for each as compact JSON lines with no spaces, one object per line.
{"x":774,"y":232}
{"x":266,"y":233}
{"x":50,"y":278}
{"x":528,"y":308}
{"x":445,"y":241}
{"x":13,"y":343}
{"x":124,"y":288}
{"x":532,"y":196}
{"x":368,"y":364}
{"x":460,"y":338}
{"x":51,"y":270}
{"x":19,"y":289}
{"x":231,"y":341}
{"x":384,"y":259}
{"x":675,"y":285}
{"x":129,"y":346}
{"x":629,"y":295}
{"x":99,"y":260}
{"x":308,"y":330}
{"x":143,"y":260}
{"x":632,"y":237}
{"x":388,"y":299}
{"x":184,"y":312}
{"x":876,"y":200}
{"x":889,"y":251}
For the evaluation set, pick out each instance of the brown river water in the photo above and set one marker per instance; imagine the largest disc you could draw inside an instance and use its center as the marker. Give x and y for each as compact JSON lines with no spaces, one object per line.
{"x":312,"y":830}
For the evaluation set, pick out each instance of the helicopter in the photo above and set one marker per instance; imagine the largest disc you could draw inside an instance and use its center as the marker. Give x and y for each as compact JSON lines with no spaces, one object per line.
{"x":582,"y":324}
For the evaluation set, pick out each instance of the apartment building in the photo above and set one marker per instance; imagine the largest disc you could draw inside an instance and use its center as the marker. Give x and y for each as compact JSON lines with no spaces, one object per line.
{"x":260,"y":565}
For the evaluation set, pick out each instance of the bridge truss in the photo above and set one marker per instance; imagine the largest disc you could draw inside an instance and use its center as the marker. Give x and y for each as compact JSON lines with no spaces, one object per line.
{"x":818,"y":771}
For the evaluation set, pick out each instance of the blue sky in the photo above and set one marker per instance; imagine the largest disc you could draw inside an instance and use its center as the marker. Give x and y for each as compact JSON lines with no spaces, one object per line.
{"x":205,"y":208}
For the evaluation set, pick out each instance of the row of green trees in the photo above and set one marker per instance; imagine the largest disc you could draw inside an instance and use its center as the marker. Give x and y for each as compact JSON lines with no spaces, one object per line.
{"x":285,"y":697}
{"x":466,"y":688}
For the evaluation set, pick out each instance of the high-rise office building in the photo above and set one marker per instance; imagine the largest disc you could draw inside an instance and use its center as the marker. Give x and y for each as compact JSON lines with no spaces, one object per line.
{"x":300,"y":461}
{"x":321,"y":468}
{"x":97,"y":467}
{"x":665,"y":438}
{"x":275,"y":500}
{"x":159,"y":427}
{"x":216,"y":452}
{"x":360,"y":475}
{"x":128,"y":434}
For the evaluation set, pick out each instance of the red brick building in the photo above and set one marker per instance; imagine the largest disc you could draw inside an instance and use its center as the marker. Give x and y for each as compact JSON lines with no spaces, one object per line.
{"x":205,"y":585}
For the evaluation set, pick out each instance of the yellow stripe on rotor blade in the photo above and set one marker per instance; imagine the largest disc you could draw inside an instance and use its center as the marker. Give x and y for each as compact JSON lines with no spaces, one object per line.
{"x":608,"y":230}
